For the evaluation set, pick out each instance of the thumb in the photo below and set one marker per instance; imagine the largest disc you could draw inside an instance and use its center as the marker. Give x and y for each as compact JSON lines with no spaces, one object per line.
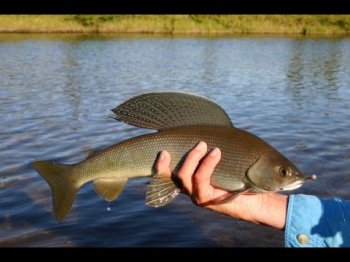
{"x":162,"y":165}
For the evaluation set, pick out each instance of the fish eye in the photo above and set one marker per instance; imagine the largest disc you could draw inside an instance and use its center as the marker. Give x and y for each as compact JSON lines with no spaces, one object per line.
{"x":283,"y":171}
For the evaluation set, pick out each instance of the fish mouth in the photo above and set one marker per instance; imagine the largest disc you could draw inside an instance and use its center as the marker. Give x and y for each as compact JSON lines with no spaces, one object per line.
{"x":296,"y":184}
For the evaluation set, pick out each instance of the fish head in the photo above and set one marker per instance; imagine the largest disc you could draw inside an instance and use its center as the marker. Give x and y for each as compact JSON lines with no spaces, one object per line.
{"x":273,"y":172}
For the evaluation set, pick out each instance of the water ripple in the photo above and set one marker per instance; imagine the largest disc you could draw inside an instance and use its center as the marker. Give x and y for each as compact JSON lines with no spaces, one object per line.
{"x":55,"y":96}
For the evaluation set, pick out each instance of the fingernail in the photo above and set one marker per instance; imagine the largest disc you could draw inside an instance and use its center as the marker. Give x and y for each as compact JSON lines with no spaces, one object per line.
{"x":200,"y":146}
{"x":161,"y":156}
{"x":214,"y":152}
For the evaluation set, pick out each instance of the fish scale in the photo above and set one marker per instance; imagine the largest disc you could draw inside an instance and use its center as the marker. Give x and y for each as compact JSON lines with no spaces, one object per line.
{"x":127,"y":160}
{"x":248,"y":163}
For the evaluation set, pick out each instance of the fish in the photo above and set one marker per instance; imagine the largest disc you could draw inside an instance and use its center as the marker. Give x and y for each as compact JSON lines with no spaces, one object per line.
{"x":180,"y":121}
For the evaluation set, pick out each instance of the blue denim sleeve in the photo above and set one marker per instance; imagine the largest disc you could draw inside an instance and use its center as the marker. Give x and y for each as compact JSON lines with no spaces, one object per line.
{"x":317,"y":222}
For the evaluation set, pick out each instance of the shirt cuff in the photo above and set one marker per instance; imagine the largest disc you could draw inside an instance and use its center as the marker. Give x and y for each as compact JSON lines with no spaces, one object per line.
{"x":316,"y":222}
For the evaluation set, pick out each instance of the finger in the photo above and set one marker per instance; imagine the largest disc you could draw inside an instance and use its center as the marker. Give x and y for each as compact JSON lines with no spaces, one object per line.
{"x":190,"y":164}
{"x":162,"y":165}
{"x":203,"y":191}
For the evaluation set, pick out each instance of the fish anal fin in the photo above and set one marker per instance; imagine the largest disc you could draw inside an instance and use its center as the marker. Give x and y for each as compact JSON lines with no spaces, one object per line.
{"x":161,"y":191}
{"x":110,"y":188}
{"x":166,"y":110}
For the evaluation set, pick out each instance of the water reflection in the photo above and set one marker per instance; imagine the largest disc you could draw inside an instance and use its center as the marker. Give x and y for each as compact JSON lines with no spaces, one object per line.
{"x":72,"y":86}
{"x":314,"y":66}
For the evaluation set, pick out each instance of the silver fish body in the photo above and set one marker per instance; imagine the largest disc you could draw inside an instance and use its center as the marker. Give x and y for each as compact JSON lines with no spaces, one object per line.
{"x":248,"y":162}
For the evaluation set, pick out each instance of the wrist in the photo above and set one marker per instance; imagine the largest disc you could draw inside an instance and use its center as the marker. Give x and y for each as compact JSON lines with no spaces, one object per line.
{"x":261,"y":208}
{"x":273,"y":210}
{"x":264,"y":208}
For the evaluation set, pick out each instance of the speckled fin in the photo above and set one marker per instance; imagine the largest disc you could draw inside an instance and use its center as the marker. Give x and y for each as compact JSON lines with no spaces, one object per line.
{"x":161,"y":191}
{"x":110,"y":188}
{"x":171,"y":109}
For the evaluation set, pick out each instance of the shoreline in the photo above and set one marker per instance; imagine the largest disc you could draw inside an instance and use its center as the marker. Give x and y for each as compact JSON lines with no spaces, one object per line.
{"x":178,"y":25}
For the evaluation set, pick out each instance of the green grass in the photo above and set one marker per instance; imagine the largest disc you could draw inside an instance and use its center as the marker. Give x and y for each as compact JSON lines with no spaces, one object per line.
{"x":178,"y":24}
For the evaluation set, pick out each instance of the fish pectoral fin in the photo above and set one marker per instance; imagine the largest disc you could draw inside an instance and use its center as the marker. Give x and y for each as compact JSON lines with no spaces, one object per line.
{"x":110,"y":188}
{"x":161,"y":191}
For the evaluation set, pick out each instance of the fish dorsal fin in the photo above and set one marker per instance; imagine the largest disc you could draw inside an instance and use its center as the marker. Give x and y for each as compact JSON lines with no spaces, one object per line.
{"x":110,"y":188}
{"x":165,"y":110}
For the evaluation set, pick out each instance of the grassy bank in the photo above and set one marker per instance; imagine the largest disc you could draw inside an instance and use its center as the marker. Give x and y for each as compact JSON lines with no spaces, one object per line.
{"x":178,"y":24}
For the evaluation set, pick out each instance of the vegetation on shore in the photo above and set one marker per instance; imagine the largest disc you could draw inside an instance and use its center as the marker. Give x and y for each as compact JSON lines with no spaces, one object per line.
{"x":178,"y":24}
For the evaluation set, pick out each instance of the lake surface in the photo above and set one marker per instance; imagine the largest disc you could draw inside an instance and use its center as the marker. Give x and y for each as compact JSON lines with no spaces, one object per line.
{"x":55,"y":97}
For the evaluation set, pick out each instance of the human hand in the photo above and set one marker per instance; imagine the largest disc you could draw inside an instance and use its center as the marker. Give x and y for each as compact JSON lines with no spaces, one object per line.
{"x":195,"y":173}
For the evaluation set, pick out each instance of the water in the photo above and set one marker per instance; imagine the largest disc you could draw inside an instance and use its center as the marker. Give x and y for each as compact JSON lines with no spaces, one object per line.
{"x":55,"y":96}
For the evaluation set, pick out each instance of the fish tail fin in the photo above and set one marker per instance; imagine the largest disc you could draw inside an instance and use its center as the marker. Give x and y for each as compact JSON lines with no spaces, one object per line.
{"x":63,"y":189}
